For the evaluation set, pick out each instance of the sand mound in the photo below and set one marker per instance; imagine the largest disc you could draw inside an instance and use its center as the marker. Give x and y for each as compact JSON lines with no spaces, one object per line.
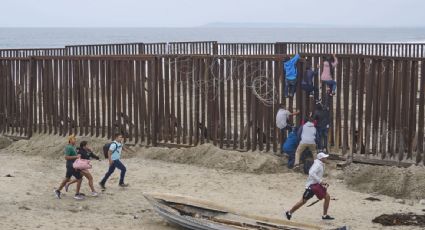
{"x":51,"y":146}
{"x":209,"y":156}
{"x":390,"y":181}
{"x":4,"y":142}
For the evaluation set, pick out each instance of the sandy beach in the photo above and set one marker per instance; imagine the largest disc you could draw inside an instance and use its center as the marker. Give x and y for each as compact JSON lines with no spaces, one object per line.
{"x":251,"y":182}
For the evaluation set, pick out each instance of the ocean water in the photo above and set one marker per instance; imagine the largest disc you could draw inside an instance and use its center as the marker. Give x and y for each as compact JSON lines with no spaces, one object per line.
{"x":59,"y":37}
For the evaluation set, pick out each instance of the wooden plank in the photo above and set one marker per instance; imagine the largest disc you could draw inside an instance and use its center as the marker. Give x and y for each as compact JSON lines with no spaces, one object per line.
{"x":179,"y":86}
{"x":167,"y":117}
{"x":338,"y":118}
{"x":221,"y":102}
{"x":377,"y":75}
{"x":172,"y":120}
{"x":248,"y":95}
{"x":130,"y":95}
{"x":199,"y":127}
{"x":235,"y":86}
{"x":360,"y":136}
{"x":242,"y":112}
{"x":228,"y":77}
{"x":384,"y":95}
{"x":191,"y":88}
{"x":142,"y":106}
{"x":346,"y":91}
{"x":138,"y":91}
{"x":354,"y":89}
{"x":413,"y":108}
{"x":369,"y":81}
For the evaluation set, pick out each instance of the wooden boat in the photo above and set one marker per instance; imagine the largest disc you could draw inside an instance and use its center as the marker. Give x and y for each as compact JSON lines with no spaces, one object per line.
{"x":203,"y":215}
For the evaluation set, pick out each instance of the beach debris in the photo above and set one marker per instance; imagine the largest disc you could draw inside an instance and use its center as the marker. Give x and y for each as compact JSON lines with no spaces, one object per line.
{"x":372,"y":199}
{"x":24,"y":208}
{"x":398,"y":219}
{"x":400,"y":201}
{"x":8,"y":175}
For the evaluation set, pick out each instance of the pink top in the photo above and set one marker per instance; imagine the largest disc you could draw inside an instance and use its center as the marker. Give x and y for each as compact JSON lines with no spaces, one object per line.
{"x":326,"y":73}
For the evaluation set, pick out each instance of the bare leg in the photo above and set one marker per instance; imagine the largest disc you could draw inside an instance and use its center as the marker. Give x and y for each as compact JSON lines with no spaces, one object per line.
{"x":297,"y":205}
{"x":72,"y":182}
{"x":66,"y":180}
{"x":326,"y":204}
{"x":78,"y":185}
{"x":90,"y":178}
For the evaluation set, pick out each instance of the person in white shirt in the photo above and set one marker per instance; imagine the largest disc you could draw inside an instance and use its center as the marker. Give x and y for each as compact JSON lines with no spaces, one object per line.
{"x":282,"y":117}
{"x":308,"y":140}
{"x":315,"y":186}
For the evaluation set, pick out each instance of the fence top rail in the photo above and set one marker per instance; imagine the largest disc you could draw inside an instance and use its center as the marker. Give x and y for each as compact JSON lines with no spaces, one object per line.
{"x":353,"y":43}
{"x":104,"y":44}
{"x":275,"y":57}
{"x":192,"y":42}
{"x":32,"y":49}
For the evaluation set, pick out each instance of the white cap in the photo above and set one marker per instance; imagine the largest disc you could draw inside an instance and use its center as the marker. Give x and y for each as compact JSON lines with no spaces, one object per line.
{"x":322,"y":155}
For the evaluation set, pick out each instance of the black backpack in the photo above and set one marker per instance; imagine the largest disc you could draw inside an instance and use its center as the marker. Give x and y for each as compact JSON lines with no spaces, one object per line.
{"x":106,"y":149}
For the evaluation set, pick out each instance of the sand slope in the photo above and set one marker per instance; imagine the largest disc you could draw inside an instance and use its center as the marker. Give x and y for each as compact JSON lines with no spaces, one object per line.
{"x":37,"y":166}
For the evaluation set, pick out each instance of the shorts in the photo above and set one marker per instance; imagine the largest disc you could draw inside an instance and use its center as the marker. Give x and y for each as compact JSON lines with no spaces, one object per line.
{"x":70,"y":171}
{"x":308,"y":194}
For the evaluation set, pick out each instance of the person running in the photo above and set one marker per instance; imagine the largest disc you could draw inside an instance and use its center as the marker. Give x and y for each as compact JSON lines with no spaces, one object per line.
{"x":85,"y":153}
{"x":328,"y":73}
{"x":290,"y":68}
{"x":70,"y":156}
{"x":114,"y":156}
{"x":308,"y":140}
{"x":315,"y":186}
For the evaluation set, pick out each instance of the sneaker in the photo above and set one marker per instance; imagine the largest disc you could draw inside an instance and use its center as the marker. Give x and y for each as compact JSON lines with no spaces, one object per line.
{"x":102,"y":185}
{"x":94,"y":194}
{"x":311,"y":95}
{"x":66,"y":187}
{"x":123,"y":185}
{"x":327,"y":217}
{"x":78,"y":197}
{"x":57,"y":193}
{"x":288,"y":215}
{"x":81,"y":194}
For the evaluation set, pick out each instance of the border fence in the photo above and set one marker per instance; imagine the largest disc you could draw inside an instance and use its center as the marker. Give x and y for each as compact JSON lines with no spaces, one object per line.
{"x":226,"y":94}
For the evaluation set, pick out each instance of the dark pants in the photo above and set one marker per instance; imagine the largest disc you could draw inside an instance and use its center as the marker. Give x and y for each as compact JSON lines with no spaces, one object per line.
{"x":290,"y":87}
{"x":115,"y":164}
{"x":309,"y":89}
{"x":322,"y":138}
{"x":331,"y":84}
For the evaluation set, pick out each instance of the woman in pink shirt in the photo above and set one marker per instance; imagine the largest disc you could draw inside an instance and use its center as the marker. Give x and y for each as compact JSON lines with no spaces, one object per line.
{"x":328,"y":73}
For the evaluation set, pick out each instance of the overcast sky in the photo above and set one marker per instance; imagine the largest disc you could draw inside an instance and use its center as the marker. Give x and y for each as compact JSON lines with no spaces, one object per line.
{"x":191,"y":13}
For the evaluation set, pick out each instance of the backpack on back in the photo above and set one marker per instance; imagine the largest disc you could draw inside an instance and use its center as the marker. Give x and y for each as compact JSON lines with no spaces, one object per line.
{"x":106,"y":149}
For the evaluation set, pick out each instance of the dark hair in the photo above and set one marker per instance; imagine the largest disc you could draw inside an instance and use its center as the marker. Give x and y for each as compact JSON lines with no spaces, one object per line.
{"x":319,"y":106}
{"x":117,"y":135}
{"x":82,"y":144}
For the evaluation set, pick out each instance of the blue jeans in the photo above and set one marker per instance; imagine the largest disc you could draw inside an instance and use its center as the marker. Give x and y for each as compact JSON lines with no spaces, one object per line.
{"x":322,"y":138}
{"x":331,"y":84}
{"x":283,"y":132}
{"x":290,"y":87}
{"x":115,"y":164}
{"x":291,"y":158}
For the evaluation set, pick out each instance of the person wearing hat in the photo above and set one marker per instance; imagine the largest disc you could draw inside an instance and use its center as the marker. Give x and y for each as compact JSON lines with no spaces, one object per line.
{"x":315,"y":186}
{"x":70,"y":156}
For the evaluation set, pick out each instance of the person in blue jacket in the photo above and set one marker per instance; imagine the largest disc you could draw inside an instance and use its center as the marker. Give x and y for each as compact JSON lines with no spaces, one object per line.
{"x":290,"y":146}
{"x":290,"y":68}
